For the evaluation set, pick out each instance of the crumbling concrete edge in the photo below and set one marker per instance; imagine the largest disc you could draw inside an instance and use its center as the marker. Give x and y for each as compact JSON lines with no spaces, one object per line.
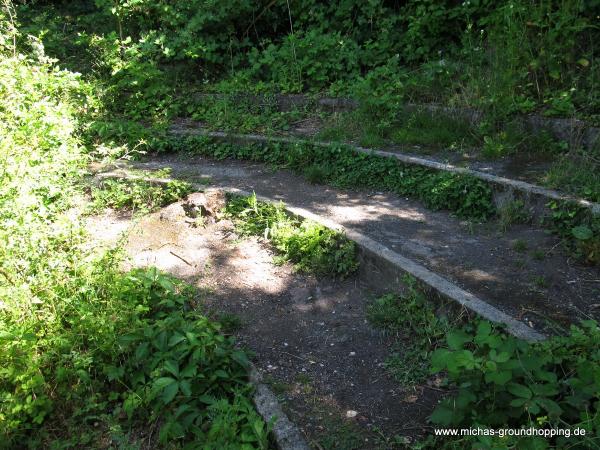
{"x":285,"y":433}
{"x":529,"y":192}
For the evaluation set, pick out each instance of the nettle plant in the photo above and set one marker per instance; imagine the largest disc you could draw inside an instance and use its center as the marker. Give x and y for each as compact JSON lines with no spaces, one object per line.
{"x":181,"y":369}
{"x":504,"y":382}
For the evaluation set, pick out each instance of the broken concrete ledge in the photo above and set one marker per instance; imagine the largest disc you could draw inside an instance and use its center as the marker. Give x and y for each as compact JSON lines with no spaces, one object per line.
{"x":505,"y":190}
{"x":385,"y":266}
{"x":285,"y":434}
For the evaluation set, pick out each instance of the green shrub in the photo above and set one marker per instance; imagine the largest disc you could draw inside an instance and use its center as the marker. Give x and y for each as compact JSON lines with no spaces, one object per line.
{"x":306,"y":60}
{"x":180,"y":369}
{"x":136,"y":195}
{"x":504,"y":382}
{"x":72,"y":326}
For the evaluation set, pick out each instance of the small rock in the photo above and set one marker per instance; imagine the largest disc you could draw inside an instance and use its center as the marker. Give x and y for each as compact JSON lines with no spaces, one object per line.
{"x":350,"y":414}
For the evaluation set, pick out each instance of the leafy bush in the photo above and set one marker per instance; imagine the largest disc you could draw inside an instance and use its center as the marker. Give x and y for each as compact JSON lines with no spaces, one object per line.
{"x":312,"y":247}
{"x":180,"y":369}
{"x":72,"y":327}
{"x":506,"y":57}
{"x":310,"y":60}
{"x":504,"y":382}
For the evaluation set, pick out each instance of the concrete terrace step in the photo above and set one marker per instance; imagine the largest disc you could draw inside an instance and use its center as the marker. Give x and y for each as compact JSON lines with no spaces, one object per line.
{"x":568,"y":129}
{"x":535,"y":198}
{"x":478,"y":268}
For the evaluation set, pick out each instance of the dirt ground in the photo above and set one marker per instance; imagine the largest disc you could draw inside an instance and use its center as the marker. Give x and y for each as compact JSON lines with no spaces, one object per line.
{"x":309,"y":337}
{"x":523,"y":271}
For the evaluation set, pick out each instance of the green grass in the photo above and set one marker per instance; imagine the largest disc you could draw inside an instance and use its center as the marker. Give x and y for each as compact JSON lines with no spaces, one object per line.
{"x":576,"y":175}
{"x":230,"y":322}
{"x":432,"y":130}
{"x":340,"y":435}
{"x":412,"y":319}
{"x":511,"y":213}
{"x":520,"y":246}
{"x":312,"y":248}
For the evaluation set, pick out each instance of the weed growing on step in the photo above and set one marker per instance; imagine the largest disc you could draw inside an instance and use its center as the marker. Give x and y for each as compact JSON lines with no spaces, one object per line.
{"x":577,"y":175}
{"x":342,"y":166}
{"x":229,"y":322}
{"x":138,"y":196}
{"x":538,"y":254}
{"x":520,"y":246}
{"x":512,"y":212}
{"x":312,"y":248}
{"x":412,"y":319}
{"x":317,"y":174}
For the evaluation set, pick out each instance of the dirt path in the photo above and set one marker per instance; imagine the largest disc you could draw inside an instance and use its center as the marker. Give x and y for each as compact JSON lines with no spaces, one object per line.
{"x":523,"y":271}
{"x":310,"y":337}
